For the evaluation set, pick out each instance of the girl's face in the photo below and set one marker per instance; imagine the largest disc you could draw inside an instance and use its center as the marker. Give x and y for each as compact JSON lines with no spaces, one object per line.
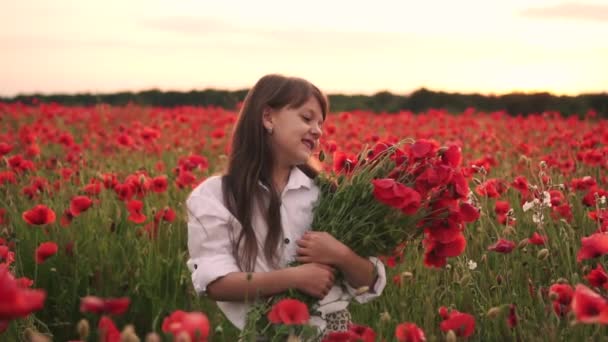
{"x":296,"y":132}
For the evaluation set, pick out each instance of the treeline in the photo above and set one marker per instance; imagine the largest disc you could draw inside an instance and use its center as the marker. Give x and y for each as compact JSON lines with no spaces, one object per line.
{"x":420,"y":100}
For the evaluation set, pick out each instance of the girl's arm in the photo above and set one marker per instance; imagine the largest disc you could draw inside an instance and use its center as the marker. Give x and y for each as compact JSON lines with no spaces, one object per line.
{"x":314,"y":279}
{"x":358,"y":271}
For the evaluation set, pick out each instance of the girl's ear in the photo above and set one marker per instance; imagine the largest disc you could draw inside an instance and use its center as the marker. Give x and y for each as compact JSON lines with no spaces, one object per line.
{"x":268,"y":118}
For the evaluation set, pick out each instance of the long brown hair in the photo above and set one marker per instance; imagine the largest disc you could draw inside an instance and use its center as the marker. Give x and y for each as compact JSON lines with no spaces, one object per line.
{"x":251,"y":160}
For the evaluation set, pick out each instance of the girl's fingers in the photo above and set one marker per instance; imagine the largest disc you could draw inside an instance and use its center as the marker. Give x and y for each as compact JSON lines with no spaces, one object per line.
{"x":302,"y":251}
{"x":302,"y":243}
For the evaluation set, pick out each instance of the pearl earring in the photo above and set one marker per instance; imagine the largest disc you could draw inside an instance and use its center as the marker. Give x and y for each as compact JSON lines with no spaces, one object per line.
{"x":269,"y":130}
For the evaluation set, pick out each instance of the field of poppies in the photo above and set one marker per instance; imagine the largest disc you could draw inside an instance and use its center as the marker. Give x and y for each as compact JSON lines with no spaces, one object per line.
{"x":93,"y":231}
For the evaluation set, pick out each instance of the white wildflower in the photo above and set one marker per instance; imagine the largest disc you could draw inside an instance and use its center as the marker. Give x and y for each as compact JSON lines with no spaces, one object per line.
{"x":546,"y":199}
{"x":530,"y":204}
{"x":603,"y":200}
{"x":472,"y":265}
{"x":538,"y":217}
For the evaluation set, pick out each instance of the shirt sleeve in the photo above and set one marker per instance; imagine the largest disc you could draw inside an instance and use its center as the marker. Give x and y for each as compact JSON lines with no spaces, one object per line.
{"x":209,"y":241}
{"x":376,"y":289}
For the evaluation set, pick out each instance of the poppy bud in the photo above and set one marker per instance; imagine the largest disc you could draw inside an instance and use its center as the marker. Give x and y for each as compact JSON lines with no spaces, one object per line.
{"x":385,"y":316}
{"x":523,"y":243}
{"x":83,"y":329}
{"x":128,"y":334}
{"x":153,"y":337}
{"x":293,"y":338}
{"x":451,"y":336}
{"x":499,"y":279}
{"x":493,"y":312}
{"x":543,"y":254}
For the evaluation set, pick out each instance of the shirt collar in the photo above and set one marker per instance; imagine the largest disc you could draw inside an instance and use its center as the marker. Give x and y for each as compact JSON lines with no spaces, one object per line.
{"x":297,"y":179}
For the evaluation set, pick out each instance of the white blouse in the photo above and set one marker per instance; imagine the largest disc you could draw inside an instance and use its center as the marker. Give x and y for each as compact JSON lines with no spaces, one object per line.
{"x":209,"y":244}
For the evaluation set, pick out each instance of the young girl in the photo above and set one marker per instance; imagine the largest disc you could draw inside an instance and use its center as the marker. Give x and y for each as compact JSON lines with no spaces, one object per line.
{"x":246,"y":225}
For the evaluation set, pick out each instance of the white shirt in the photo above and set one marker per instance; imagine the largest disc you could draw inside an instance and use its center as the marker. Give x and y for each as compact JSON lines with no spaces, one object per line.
{"x":209,"y":244}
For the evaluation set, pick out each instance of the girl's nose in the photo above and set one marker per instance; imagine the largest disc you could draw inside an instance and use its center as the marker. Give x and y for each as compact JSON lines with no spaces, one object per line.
{"x":317,"y":131}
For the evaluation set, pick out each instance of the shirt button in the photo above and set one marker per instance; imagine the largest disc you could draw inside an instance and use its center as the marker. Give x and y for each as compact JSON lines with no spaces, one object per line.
{"x":286,"y":240}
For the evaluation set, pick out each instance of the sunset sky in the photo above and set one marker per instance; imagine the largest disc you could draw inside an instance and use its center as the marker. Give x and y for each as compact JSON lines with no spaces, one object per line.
{"x":490,"y":47}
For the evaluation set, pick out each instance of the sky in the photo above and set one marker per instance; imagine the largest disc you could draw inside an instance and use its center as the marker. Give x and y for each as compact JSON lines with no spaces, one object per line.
{"x":488,"y":47}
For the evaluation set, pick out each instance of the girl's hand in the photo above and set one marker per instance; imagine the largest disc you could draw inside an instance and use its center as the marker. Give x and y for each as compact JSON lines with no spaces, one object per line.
{"x":314,"y":279}
{"x":320,"y":247}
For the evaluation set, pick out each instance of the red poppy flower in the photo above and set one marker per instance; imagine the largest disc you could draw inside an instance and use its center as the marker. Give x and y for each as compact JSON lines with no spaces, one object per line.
{"x":39,"y":215}
{"x":114,"y":306}
{"x":195,"y":324}
{"x":593,"y":246}
{"x":79,"y":204}
{"x":289,"y":312}
{"x":461,"y":323}
{"x":502,"y":246}
{"x":135,"y":211}
{"x":159,"y":184}
{"x":537,"y":239}
{"x":423,"y":148}
{"x":468,"y":213}
{"x":108,"y":331}
{"x":45,"y":250}
{"x":598,"y":277}
{"x":512,"y":318}
{"x":362,"y":333}
{"x":588,"y":306}
{"x":452,"y":156}
{"x":409,"y":332}
{"x":561,"y":294}
{"x":339,"y":336}
{"x":501,"y":207}
{"x":396,"y":195}
{"x":16,"y":301}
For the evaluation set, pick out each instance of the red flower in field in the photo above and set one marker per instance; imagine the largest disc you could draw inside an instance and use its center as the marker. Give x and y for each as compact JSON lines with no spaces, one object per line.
{"x":423,"y":148}
{"x":396,"y":195}
{"x":502,"y":246}
{"x":39,"y":215}
{"x":16,"y":301}
{"x":344,"y":162}
{"x":588,"y":306}
{"x":593,"y":246}
{"x":114,"y":306}
{"x":107,"y":330}
{"x":461,"y":323}
{"x":5,"y":148}
{"x":492,"y":188}
{"x":195,"y":324}
{"x":584,"y":183}
{"x":8,"y":177}
{"x":92,"y":189}
{"x":452,"y":156}
{"x":362,"y":333}
{"x":409,"y":332}
{"x":459,"y":186}
{"x":3,"y":217}
{"x":521,"y":184}
{"x":598,"y":277}
{"x":561,"y":294}
{"x":501,"y":207}
{"x":159,"y":184}
{"x":135,"y":208}
{"x":436,"y":252}
{"x":468,"y":213}
{"x":166,"y":214}
{"x":289,"y":312}
{"x":512,"y":318}
{"x":79,"y":204}
{"x":339,"y":336}
{"x":537,"y":239}
{"x":45,"y":250}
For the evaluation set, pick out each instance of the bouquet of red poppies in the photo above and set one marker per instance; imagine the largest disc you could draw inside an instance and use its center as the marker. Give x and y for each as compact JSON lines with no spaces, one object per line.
{"x":382,"y":198}
{"x":392,"y":193}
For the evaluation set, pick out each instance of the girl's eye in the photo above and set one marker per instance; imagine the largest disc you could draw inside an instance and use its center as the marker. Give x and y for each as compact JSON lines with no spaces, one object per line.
{"x":306,"y":119}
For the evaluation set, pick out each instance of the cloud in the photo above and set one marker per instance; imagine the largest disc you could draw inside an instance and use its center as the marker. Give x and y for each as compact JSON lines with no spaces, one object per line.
{"x":570,"y":10}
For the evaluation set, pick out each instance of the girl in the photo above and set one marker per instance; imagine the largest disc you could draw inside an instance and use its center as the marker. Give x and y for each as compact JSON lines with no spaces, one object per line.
{"x":246,"y":225}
